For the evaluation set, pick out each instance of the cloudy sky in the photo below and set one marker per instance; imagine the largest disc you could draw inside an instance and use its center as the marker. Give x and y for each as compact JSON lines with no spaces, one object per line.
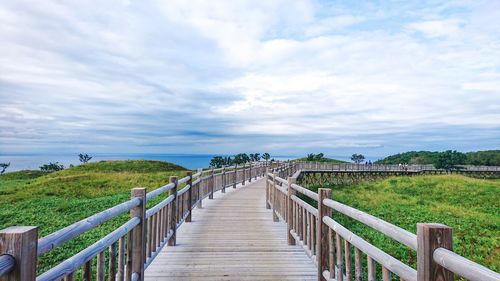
{"x":287,"y":77}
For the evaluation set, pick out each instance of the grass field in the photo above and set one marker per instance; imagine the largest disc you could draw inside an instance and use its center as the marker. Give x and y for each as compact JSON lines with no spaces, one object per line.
{"x":53,"y":201}
{"x":470,"y":206}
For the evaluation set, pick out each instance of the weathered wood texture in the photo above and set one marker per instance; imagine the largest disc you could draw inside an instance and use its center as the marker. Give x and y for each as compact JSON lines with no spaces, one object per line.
{"x":233,"y":238}
{"x":20,"y":243}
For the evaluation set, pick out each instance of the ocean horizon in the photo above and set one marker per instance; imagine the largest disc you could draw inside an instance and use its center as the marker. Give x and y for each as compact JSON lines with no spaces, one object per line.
{"x":33,"y":161}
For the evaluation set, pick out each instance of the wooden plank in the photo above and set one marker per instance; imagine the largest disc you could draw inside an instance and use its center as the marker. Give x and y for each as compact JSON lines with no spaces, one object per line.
{"x":225,"y":241}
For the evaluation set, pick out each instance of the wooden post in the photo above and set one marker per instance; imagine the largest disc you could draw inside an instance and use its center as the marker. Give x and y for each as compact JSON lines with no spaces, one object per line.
{"x":21,"y":243}
{"x":200,"y":190}
{"x":138,"y":235}
{"x":244,"y":174}
{"x":322,"y":250}
{"x":431,"y":236}
{"x":211,"y":183}
{"x":173,"y":211}
{"x":268,"y":190}
{"x":189,"y":195}
{"x":250,"y":173}
{"x":291,"y":191}
{"x":235,"y":175}
{"x":223,"y":179}
{"x":274,"y":198}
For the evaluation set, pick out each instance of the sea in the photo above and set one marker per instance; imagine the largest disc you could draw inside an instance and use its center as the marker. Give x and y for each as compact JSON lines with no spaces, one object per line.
{"x":34,"y":161}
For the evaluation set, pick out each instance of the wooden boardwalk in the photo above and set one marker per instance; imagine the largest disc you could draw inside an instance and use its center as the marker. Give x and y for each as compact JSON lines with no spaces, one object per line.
{"x":233,"y":237}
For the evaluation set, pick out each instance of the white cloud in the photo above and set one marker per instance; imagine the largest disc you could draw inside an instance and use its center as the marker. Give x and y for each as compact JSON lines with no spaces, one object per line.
{"x":202,"y":76}
{"x":436,"y":28}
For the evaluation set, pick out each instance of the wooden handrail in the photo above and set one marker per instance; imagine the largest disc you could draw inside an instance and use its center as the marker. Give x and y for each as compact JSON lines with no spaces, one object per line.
{"x":428,"y":242}
{"x":463,"y":267}
{"x":389,"y":262}
{"x":59,"y":237}
{"x":73,"y":263}
{"x":146,"y":231}
{"x":7,"y":263}
{"x":405,"y":237}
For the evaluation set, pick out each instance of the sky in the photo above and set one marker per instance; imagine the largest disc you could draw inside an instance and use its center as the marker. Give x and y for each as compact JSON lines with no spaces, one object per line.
{"x":286,"y":77}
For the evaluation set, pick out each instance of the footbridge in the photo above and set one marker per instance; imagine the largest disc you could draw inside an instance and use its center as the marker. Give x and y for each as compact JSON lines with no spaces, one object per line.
{"x":250,"y":222}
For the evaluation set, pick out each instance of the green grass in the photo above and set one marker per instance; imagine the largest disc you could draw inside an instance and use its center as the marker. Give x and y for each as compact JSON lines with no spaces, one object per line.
{"x":53,"y":201}
{"x":470,"y":206}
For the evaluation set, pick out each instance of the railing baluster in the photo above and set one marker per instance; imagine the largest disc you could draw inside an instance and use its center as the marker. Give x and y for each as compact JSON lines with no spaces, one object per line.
{"x":173,"y":212}
{"x":348,"y":260}
{"x":112,"y":262}
{"x":358,"y":267}
{"x":100,"y":267}
{"x":340,"y":264}
{"x":331,"y":251}
{"x":87,"y":271}
{"x":121,"y":259}
{"x":372,"y":269}
{"x":386,"y":274}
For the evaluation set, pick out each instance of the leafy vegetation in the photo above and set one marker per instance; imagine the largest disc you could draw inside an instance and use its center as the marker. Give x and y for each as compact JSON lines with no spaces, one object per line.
{"x":357,"y":158}
{"x":52,"y":167}
{"x":52,"y":201}
{"x":488,"y":157}
{"x":84,"y":158}
{"x":4,"y":167}
{"x":240,"y":158}
{"x":320,"y":157}
{"x":470,"y":206}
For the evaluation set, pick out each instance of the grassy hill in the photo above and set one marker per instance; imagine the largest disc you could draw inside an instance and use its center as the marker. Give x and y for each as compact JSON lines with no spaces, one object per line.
{"x":470,"y":206}
{"x":487,"y":157}
{"x":53,"y":201}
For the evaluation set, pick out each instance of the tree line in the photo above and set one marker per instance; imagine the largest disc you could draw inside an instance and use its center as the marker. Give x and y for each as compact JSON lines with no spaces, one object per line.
{"x":238,"y":159}
{"x":445,"y":159}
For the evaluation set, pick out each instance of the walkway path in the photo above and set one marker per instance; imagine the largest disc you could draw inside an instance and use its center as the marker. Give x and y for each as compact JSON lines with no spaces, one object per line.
{"x":233,"y":237}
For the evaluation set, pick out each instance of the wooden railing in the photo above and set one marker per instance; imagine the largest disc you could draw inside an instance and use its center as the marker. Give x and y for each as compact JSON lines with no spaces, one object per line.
{"x":351,"y":167}
{"x":338,"y":252}
{"x":131,"y":247}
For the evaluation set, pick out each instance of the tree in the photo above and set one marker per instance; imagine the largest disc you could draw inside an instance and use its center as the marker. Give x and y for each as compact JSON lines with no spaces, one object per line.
{"x":357,"y":158}
{"x":228,"y":161}
{"x":319,"y":156}
{"x":310,"y":157}
{"x":449,"y":160}
{"x":266,"y":156}
{"x":84,"y":158}
{"x":4,"y":167}
{"x":217,"y":162}
{"x":51,"y":167}
{"x":255,"y":156}
{"x":241,"y":158}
